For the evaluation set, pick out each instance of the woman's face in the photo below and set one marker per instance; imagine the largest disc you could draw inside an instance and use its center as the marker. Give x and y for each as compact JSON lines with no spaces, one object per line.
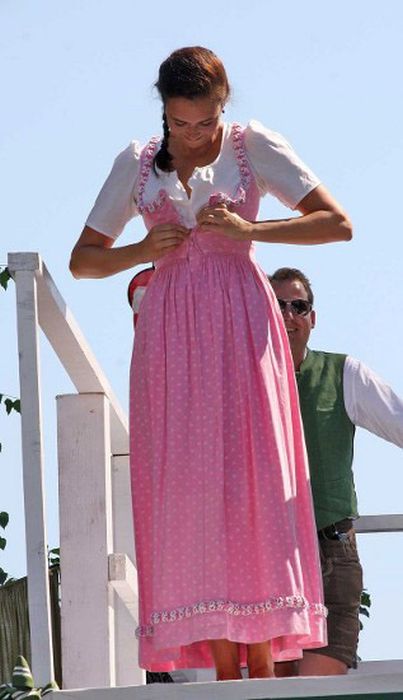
{"x":194,"y":123}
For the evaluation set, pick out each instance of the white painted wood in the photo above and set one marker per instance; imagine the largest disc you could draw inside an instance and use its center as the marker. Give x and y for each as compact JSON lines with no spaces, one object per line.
{"x":84,"y":450}
{"x":374,"y":668}
{"x":123,"y":578}
{"x":126,"y":604}
{"x":203,"y":675}
{"x":190,"y":675}
{"x":69,"y":344}
{"x":126,"y":645}
{"x":379,"y":523}
{"x":382,"y":680}
{"x":74,"y":353}
{"x":366,"y":668}
{"x":123,"y":537}
{"x":33,"y":477}
{"x":24,"y":261}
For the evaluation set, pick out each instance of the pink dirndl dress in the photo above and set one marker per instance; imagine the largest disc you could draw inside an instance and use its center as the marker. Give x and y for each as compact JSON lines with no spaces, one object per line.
{"x":225,"y":538}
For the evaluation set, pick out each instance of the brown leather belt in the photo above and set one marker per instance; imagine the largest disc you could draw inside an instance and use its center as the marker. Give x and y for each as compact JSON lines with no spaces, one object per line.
{"x":335,"y":531}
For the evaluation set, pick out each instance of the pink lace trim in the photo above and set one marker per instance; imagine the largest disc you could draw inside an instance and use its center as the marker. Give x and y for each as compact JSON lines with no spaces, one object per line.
{"x":237,"y":135}
{"x":297,"y":602}
{"x":243,"y":164}
{"x":147,"y":156}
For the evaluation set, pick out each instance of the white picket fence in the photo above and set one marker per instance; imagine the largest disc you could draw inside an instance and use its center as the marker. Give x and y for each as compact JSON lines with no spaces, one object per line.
{"x":99,"y":610}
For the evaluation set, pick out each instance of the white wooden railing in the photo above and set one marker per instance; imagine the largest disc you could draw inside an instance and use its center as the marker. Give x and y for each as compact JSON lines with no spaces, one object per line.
{"x":98,"y":621}
{"x":99,"y":609}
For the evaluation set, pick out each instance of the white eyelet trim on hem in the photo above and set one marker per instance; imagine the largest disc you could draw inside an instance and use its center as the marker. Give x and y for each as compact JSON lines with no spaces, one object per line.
{"x":297,"y":602}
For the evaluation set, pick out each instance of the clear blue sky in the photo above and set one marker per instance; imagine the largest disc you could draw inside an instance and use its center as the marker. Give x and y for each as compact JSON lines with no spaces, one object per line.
{"x":76,"y":86}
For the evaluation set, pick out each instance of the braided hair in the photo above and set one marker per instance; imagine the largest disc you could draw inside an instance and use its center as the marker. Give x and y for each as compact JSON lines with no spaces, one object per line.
{"x":190,"y":72}
{"x":163,"y":158}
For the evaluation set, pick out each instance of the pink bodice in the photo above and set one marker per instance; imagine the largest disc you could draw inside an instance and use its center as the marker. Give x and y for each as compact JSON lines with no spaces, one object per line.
{"x":245,"y":202}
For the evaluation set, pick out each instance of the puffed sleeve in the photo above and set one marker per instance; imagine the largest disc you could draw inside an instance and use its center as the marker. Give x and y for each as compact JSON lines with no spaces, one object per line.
{"x":116,"y":202}
{"x":277,"y":168}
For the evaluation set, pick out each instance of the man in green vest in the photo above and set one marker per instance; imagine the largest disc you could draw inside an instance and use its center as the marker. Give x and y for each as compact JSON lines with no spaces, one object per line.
{"x":337,"y":393}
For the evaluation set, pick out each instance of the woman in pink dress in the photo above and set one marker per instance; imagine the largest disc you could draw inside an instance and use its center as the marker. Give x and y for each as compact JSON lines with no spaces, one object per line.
{"x":225,"y":541}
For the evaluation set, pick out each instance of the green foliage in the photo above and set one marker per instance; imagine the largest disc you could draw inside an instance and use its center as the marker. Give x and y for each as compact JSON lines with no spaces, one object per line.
{"x":3,"y":524}
{"x":3,"y":519}
{"x":363,"y":610}
{"x":22,"y":684}
{"x":54,"y":557}
{"x":5,"y":277}
{"x":365,"y":604}
{"x":10,"y":404}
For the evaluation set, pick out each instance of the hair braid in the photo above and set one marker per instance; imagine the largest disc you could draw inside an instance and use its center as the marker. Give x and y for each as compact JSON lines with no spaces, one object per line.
{"x":163,"y":158}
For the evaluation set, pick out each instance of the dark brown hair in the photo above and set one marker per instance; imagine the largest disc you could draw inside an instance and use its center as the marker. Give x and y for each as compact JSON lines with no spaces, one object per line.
{"x":190,"y":72}
{"x":289,"y":274}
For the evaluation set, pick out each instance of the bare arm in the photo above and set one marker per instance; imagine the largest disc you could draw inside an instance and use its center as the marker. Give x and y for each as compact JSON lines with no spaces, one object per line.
{"x":322,"y":221}
{"x":94,"y":257}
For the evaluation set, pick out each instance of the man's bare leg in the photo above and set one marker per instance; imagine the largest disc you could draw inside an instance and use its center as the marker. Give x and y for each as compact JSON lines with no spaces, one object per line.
{"x":320,"y":665}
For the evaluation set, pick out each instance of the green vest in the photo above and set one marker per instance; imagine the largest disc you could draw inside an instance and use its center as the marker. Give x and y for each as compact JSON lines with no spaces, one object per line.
{"x":329,"y":436}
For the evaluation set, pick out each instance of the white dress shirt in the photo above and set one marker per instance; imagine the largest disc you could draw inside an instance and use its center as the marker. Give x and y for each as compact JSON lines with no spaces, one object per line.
{"x":372,"y":404}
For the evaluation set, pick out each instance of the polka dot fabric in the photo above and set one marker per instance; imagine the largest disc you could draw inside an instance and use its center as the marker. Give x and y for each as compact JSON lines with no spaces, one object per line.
{"x":225,"y":537}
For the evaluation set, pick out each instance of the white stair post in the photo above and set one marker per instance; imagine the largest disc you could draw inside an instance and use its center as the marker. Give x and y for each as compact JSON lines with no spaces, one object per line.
{"x":126,"y":615}
{"x":84,"y":448}
{"x":24,"y":270}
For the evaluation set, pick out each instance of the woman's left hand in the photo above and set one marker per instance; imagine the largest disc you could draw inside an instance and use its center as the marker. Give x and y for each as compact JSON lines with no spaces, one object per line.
{"x":220,"y":219}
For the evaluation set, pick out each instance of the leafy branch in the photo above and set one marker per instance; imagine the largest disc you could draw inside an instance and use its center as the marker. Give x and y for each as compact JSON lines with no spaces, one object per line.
{"x":5,"y":277}
{"x":4,"y":518}
{"x":10,"y":404}
{"x":54,"y":557}
{"x":365,"y":604}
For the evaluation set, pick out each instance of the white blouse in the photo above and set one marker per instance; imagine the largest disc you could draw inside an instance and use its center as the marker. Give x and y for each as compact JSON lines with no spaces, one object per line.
{"x":276,"y":167}
{"x":370,"y":403}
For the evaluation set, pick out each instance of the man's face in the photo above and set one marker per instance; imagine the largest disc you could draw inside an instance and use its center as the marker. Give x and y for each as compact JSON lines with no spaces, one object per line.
{"x":297,"y":326}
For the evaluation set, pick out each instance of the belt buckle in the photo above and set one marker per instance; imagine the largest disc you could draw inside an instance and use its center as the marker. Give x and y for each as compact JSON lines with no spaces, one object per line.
{"x":332,"y":533}
{"x":336,"y":534}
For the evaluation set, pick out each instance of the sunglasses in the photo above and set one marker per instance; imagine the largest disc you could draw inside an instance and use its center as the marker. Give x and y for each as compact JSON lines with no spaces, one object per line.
{"x":298,"y":307}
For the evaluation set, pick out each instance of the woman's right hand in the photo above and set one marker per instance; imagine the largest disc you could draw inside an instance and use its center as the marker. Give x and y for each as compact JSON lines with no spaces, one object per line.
{"x":94,"y":257}
{"x":162,"y":239}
